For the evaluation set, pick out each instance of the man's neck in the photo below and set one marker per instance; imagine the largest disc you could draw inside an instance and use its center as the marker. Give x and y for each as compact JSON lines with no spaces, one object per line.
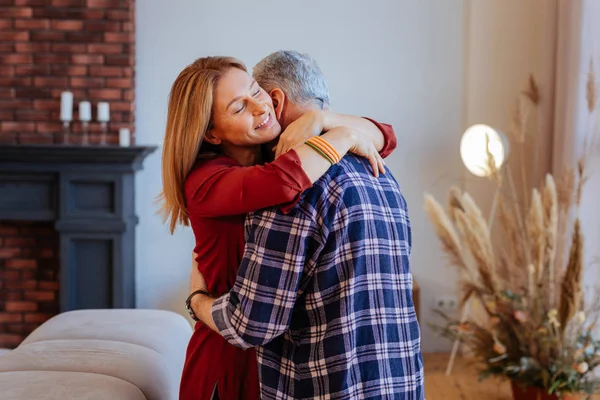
{"x":291,"y":112}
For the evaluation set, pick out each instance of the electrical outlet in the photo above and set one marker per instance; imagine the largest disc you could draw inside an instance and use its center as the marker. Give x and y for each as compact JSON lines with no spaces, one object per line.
{"x":446,"y":303}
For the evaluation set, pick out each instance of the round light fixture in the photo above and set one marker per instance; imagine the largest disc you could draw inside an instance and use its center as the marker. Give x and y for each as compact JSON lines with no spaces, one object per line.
{"x":474,"y":153}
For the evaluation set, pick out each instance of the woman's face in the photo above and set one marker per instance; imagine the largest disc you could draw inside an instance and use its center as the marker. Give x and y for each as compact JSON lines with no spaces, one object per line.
{"x":242,"y":111}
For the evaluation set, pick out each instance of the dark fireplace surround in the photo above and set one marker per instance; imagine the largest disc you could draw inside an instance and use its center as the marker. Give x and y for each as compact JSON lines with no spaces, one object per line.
{"x":87,"y":192}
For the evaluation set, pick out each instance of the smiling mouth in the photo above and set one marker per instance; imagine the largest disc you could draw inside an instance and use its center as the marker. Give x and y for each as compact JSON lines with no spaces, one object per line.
{"x":266,"y":121}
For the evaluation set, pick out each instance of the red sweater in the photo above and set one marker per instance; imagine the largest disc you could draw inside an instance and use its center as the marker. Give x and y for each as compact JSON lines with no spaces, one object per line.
{"x":219,"y":192}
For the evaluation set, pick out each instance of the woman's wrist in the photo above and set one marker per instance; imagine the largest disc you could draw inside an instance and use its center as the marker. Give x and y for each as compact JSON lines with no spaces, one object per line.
{"x":341,"y":139}
{"x":329,"y":120}
{"x":319,"y":118}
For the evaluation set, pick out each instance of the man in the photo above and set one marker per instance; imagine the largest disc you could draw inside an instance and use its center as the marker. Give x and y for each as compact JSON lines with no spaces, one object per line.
{"x":324,"y":291}
{"x":297,"y":86}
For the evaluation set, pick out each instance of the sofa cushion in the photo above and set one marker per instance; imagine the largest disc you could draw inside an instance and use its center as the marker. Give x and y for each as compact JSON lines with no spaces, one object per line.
{"x":163,"y":331}
{"x":138,"y":365}
{"x":36,"y":385}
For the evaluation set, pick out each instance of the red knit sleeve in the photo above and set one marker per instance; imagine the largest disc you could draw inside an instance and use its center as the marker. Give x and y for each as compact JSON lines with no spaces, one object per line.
{"x":221,"y":187}
{"x":389,"y":138}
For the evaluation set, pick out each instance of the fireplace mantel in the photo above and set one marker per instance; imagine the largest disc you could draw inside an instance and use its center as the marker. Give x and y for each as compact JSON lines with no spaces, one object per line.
{"x":88,"y":192}
{"x":58,"y":157}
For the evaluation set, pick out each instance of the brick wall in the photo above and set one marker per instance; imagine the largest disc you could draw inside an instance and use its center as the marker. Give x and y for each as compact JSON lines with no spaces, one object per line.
{"x":29,"y":269}
{"x":47,"y":46}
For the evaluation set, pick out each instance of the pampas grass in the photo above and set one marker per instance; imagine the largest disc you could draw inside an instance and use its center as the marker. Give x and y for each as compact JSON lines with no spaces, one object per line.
{"x":565,"y":190}
{"x":550,"y":205}
{"x":532,"y":92}
{"x":515,"y":242}
{"x":454,"y":201}
{"x":445,"y":232}
{"x":535,"y":227}
{"x":570,"y":295}
{"x":591,"y":89}
{"x":537,"y":332}
{"x":477,"y":247}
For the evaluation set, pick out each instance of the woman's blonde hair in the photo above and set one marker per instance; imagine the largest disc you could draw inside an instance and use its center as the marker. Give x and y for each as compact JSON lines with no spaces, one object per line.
{"x":188,"y":120}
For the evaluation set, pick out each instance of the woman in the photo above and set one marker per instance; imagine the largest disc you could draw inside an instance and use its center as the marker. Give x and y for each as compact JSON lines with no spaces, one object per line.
{"x":218,"y":122}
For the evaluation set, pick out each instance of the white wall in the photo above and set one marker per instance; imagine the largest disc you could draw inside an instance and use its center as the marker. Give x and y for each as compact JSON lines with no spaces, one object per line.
{"x":507,"y":41}
{"x":580,"y":43}
{"x":400,"y":62}
{"x":590,"y":49}
{"x":554,"y":40}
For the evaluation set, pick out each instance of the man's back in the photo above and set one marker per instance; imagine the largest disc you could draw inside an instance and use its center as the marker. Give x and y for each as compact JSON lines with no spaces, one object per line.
{"x":326,"y":292}
{"x":354,"y":331}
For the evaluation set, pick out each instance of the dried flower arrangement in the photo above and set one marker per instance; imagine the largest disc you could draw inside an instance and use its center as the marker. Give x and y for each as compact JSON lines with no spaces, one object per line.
{"x":536,"y":331}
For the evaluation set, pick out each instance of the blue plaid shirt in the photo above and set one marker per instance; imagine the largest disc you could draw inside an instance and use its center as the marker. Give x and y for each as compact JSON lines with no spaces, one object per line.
{"x":325,"y":292}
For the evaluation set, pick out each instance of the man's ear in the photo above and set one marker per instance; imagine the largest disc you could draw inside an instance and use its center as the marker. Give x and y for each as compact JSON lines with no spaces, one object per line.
{"x":211,"y":138}
{"x":278,"y":102}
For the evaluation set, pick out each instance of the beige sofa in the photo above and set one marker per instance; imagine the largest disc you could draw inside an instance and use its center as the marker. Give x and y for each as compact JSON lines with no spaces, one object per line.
{"x":99,"y":354}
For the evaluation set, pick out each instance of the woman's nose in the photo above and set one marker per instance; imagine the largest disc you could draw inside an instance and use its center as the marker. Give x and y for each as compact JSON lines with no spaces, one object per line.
{"x":259,"y":107}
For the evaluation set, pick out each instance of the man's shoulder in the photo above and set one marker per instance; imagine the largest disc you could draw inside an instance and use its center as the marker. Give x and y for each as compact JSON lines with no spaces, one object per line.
{"x":357,"y":168}
{"x":348,"y":183}
{"x":351,"y":171}
{"x":352,"y":175}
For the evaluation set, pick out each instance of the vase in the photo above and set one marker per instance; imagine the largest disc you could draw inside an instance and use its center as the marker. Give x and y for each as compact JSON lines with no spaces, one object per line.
{"x":531,"y":393}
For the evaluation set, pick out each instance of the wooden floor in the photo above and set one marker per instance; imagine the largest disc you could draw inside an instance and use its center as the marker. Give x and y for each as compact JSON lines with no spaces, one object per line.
{"x":462,"y":384}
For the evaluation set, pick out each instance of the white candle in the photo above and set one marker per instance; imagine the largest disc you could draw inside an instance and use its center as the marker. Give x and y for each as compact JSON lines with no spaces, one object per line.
{"x":66,"y":106}
{"x":85,"y":111}
{"x":124,"y":137}
{"x":103,"y":112}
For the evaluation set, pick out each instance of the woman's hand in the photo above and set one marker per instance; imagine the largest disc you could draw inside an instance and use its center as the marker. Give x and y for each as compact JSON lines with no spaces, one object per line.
{"x":365,"y":148}
{"x":308,"y":125}
{"x":345,"y":140}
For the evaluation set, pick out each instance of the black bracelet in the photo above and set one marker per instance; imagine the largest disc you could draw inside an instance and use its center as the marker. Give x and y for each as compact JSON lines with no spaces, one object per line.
{"x":188,"y":301}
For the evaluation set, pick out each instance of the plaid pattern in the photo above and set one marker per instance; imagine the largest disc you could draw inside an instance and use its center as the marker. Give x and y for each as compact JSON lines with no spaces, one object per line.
{"x":325,"y":291}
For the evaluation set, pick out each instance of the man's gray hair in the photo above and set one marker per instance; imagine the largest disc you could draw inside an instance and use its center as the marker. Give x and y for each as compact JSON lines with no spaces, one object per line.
{"x":297,"y":74}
